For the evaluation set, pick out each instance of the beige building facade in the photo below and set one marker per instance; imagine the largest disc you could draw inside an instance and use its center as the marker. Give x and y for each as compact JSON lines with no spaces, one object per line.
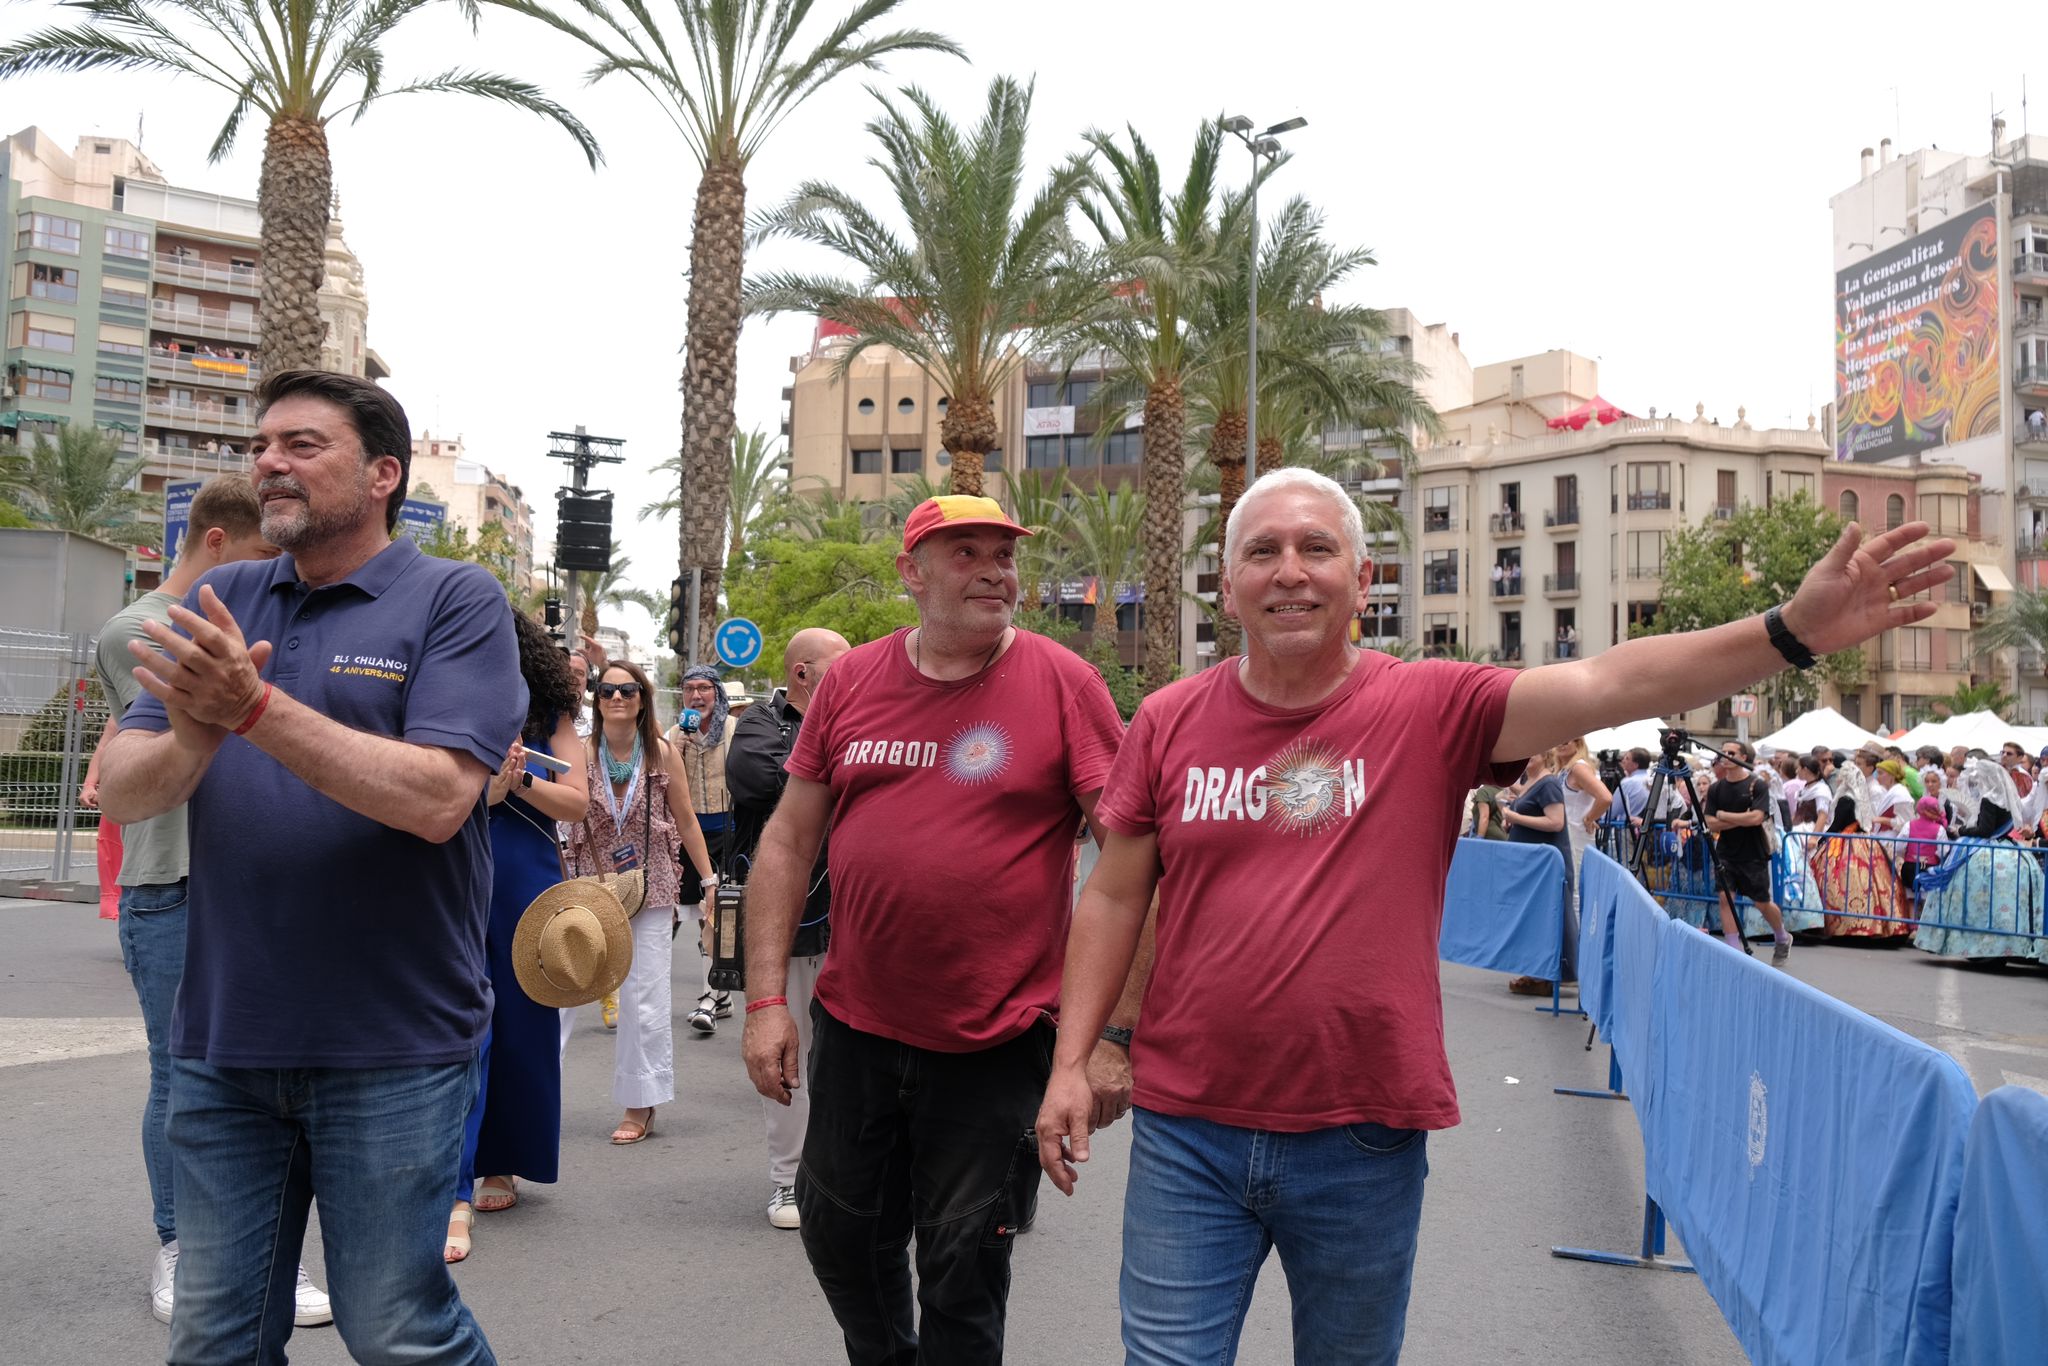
{"x":475,"y":495}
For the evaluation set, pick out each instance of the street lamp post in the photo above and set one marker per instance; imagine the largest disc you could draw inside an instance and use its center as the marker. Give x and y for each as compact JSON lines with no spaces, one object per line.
{"x":1265,"y":145}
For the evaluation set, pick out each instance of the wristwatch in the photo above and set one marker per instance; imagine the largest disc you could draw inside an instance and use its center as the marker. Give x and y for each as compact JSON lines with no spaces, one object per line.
{"x":1116,"y":1034}
{"x":1791,"y":646}
{"x":525,"y":778}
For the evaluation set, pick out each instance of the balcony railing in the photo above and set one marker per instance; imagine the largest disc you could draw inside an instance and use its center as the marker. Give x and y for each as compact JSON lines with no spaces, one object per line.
{"x":1568,"y":515}
{"x":2032,"y":664}
{"x":1724,"y":513}
{"x":240,"y":376}
{"x":191,"y":270}
{"x":1436,"y":519}
{"x":1508,"y":587}
{"x":1507,"y":523}
{"x":1439,"y":584}
{"x":205,"y":322}
{"x":2031,"y":377}
{"x":1567,"y":582}
{"x":1555,"y":650}
{"x":1654,"y":501}
{"x":2030,"y":265}
{"x":1509,"y":654}
{"x":2033,"y":436}
{"x":227,"y":422}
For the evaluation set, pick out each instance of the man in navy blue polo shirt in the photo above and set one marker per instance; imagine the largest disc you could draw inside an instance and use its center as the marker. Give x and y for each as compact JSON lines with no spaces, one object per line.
{"x":331,"y":718}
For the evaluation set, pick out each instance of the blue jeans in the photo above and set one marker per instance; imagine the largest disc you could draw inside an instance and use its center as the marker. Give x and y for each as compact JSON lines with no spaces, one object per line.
{"x":1206,"y":1201}
{"x":381,"y":1146}
{"x":152,"y":931}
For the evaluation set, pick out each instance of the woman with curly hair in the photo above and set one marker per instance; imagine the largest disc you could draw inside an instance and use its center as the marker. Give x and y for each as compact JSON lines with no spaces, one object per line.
{"x":515,"y":1123}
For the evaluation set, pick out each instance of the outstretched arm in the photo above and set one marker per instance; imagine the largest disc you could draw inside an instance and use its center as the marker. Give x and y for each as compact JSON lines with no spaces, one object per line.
{"x":1857,"y":590}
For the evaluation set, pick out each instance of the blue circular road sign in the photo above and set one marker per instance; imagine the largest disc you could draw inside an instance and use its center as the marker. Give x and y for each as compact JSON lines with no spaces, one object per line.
{"x":738,"y":642}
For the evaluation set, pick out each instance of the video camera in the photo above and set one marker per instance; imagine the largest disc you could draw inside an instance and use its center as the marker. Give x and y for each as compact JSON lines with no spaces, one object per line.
{"x":1610,"y":767}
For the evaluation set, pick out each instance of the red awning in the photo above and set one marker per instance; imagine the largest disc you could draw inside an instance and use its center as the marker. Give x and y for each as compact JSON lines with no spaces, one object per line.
{"x":1593,"y":410}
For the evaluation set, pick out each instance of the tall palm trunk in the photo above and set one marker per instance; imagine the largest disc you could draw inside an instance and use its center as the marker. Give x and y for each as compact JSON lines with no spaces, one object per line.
{"x":1165,"y":492}
{"x":710,"y":368}
{"x":968,"y":433}
{"x":292,"y":196}
{"x":1226,"y":453}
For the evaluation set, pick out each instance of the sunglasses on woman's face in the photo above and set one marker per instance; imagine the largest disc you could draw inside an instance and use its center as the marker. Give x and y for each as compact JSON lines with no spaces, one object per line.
{"x":629,"y":691}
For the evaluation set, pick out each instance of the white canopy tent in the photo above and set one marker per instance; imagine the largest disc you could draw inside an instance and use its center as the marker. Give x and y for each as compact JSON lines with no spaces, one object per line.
{"x":1635,"y":735}
{"x":1821,"y":726}
{"x":1974,"y":730}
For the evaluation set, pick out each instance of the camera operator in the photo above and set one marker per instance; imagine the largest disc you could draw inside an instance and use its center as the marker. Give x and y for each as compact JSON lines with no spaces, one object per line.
{"x":762,"y":738}
{"x":1738,"y":807}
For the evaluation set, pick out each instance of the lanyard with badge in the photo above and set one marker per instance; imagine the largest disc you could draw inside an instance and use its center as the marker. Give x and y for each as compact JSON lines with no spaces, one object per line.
{"x":626,"y":857}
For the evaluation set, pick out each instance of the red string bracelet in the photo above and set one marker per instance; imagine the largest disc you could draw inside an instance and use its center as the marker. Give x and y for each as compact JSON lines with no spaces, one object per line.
{"x":765,"y":1002}
{"x":257,"y":714}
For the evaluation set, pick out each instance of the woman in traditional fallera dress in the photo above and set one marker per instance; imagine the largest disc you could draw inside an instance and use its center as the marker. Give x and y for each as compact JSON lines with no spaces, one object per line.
{"x":1856,"y":880}
{"x":1986,"y":883}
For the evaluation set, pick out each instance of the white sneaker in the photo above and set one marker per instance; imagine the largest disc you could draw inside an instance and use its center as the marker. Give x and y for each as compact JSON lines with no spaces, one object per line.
{"x":310,"y":1305}
{"x":782,"y":1208}
{"x":703,"y":1019}
{"x":161,"y":1278}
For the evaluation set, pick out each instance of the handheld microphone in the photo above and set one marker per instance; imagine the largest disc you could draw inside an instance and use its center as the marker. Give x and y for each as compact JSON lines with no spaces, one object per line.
{"x":689,"y":721}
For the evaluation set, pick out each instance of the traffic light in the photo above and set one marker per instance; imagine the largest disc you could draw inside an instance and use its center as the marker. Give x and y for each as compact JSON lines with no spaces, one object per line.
{"x":678,"y":594}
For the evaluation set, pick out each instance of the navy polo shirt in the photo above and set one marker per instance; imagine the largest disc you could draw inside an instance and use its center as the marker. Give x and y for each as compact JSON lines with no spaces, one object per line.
{"x":317,"y":937}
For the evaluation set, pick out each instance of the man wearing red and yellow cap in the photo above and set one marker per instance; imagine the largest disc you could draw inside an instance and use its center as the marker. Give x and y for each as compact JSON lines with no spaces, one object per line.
{"x":953,"y":762}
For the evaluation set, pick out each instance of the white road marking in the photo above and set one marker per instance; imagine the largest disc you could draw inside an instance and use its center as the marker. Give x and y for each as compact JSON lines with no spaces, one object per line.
{"x":1948,"y":1018}
{"x":24,"y":1041}
{"x":2022,"y":1079}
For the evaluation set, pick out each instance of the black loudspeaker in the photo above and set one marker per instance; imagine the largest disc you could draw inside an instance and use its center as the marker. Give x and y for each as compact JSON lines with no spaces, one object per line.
{"x":583,"y":533}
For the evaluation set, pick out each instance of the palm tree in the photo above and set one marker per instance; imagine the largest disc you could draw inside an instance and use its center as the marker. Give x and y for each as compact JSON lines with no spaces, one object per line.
{"x":1165,"y":250}
{"x":80,"y":483}
{"x":1039,"y":502}
{"x":727,"y":82}
{"x":756,"y":488}
{"x":825,"y":514}
{"x":288,"y":60}
{"x":1320,"y":363}
{"x":2021,"y":623}
{"x":610,"y":589}
{"x":1102,"y":534}
{"x":983,"y":281}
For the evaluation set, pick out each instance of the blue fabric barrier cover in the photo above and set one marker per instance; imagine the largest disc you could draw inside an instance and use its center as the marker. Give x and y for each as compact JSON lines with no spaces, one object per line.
{"x":1504,"y":908}
{"x":1809,"y":1156}
{"x":1638,"y":927}
{"x":2001,"y":1262}
{"x":1602,"y":882}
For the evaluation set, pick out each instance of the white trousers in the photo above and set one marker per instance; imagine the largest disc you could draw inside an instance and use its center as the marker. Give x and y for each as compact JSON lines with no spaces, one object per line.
{"x":644,"y":1058}
{"x":786,"y":1123}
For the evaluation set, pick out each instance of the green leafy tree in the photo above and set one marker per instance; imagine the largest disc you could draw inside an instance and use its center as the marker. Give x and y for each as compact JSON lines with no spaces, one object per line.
{"x":725,"y":74}
{"x":296,"y":63}
{"x":79,"y":482}
{"x":1038,"y":502}
{"x":1723,"y":571}
{"x":2020,"y":623}
{"x":491,"y":547}
{"x":1102,"y":534}
{"x":984,"y":279}
{"x":849,"y":586}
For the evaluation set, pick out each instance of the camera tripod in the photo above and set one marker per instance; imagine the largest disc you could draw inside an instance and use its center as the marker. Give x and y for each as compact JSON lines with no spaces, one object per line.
{"x":1667,"y":771}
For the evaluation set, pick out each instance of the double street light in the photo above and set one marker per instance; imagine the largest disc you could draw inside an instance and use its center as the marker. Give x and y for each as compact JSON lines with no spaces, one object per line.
{"x":1267,"y":147}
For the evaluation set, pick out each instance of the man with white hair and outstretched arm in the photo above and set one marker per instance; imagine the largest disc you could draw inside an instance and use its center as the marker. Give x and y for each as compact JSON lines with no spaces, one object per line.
{"x":1295,"y":810}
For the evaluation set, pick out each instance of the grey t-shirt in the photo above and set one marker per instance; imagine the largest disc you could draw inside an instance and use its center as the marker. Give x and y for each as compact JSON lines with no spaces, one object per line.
{"x":153,"y":852}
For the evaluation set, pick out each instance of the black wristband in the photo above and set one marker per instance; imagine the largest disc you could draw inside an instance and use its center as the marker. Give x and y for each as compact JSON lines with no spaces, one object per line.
{"x":526,"y":778}
{"x":1791,"y":646}
{"x":1116,"y":1034}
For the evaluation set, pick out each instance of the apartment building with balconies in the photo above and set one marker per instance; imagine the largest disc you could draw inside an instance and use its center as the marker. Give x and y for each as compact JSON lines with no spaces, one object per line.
{"x":1908,"y":667}
{"x":132,"y":305}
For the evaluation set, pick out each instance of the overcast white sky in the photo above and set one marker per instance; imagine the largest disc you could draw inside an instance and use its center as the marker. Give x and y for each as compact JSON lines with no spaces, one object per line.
{"x":1648,"y":190}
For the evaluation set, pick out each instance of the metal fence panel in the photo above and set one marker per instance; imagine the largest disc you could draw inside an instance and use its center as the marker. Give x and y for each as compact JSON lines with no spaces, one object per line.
{"x":52,"y":710}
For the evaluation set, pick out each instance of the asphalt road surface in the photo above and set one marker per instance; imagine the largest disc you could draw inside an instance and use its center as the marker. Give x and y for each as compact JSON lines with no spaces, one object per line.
{"x":662,"y":1252}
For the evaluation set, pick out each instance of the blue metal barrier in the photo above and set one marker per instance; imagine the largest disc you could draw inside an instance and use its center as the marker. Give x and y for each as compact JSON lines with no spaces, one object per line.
{"x":1980,"y":899}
